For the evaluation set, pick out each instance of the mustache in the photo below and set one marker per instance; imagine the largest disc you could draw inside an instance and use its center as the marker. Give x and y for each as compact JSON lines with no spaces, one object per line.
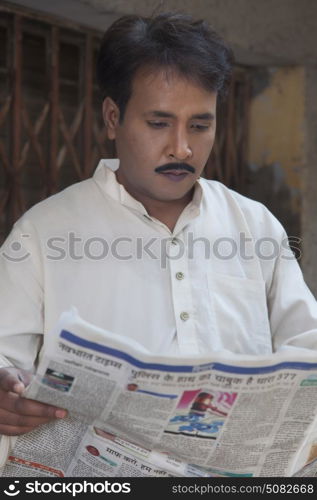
{"x":175,"y":166}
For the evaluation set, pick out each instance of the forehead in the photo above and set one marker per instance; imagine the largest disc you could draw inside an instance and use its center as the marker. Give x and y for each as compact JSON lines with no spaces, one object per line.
{"x":166,"y":89}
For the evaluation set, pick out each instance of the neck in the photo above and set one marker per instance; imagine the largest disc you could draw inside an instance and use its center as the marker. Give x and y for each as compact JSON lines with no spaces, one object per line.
{"x":168,"y":212}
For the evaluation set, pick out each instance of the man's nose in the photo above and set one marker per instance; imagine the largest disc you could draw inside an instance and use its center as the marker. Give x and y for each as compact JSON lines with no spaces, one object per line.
{"x":179,"y":147}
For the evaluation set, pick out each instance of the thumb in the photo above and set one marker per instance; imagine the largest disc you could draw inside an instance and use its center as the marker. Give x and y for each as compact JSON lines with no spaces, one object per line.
{"x":14,"y":379}
{"x":23,"y":380}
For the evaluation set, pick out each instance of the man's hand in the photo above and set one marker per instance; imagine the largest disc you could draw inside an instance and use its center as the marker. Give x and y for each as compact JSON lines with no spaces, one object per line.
{"x":19,"y":415}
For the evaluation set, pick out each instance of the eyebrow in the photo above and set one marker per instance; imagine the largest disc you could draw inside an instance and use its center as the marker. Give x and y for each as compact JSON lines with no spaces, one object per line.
{"x":165,"y":114}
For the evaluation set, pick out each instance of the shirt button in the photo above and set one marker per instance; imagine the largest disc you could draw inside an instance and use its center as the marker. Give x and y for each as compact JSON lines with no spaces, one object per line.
{"x":180,"y":276}
{"x":184,"y":316}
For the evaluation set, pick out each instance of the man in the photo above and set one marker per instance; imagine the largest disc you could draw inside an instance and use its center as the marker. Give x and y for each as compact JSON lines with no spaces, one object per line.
{"x":147,"y":248}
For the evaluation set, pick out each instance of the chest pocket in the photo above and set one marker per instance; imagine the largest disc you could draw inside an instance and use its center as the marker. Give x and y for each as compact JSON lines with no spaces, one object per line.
{"x":240,"y":313}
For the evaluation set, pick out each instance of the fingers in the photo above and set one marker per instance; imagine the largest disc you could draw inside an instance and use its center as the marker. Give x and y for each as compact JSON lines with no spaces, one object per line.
{"x":28,"y":407}
{"x":19,"y":415}
{"x":13,"y":424}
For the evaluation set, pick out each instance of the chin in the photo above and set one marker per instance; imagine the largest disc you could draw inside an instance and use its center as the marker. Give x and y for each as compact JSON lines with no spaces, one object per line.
{"x":169,"y":199}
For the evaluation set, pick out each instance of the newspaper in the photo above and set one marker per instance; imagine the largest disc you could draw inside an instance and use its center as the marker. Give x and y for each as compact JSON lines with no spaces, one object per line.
{"x":135,"y":414}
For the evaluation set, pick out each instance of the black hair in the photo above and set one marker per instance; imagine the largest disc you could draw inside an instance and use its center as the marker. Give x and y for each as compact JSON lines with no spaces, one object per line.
{"x":169,"y":41}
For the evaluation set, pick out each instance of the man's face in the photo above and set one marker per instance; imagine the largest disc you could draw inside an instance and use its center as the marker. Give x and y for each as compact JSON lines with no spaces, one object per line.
{"x":169,"y":122}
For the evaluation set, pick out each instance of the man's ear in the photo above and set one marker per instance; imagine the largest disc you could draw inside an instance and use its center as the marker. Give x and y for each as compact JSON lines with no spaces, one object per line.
{"x":111,"y":116}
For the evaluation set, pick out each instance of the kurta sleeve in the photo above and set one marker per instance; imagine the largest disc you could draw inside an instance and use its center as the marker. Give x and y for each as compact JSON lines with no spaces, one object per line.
{"x":21,"y":297}
{"x":292,"y":306}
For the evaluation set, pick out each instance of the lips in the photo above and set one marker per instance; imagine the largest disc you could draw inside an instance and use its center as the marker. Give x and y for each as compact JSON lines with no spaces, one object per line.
{"x":175,"y":175}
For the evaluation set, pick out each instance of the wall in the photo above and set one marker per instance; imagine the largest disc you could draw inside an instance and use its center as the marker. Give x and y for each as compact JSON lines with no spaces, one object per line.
{"x":309,"y":211}
{"x":277,"y":143}
{"x":262,"y":31}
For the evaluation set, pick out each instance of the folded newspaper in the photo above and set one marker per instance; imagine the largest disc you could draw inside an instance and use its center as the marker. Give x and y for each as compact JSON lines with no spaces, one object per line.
{"x":135,"y":414}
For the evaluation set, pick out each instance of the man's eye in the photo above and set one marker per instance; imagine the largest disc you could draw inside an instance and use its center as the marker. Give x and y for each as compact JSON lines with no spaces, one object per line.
{"x":157,"y":124}
{"x":199,"y":127}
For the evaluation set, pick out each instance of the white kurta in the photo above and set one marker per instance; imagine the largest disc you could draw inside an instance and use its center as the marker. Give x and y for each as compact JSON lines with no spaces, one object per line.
{"x":216,"y":283}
